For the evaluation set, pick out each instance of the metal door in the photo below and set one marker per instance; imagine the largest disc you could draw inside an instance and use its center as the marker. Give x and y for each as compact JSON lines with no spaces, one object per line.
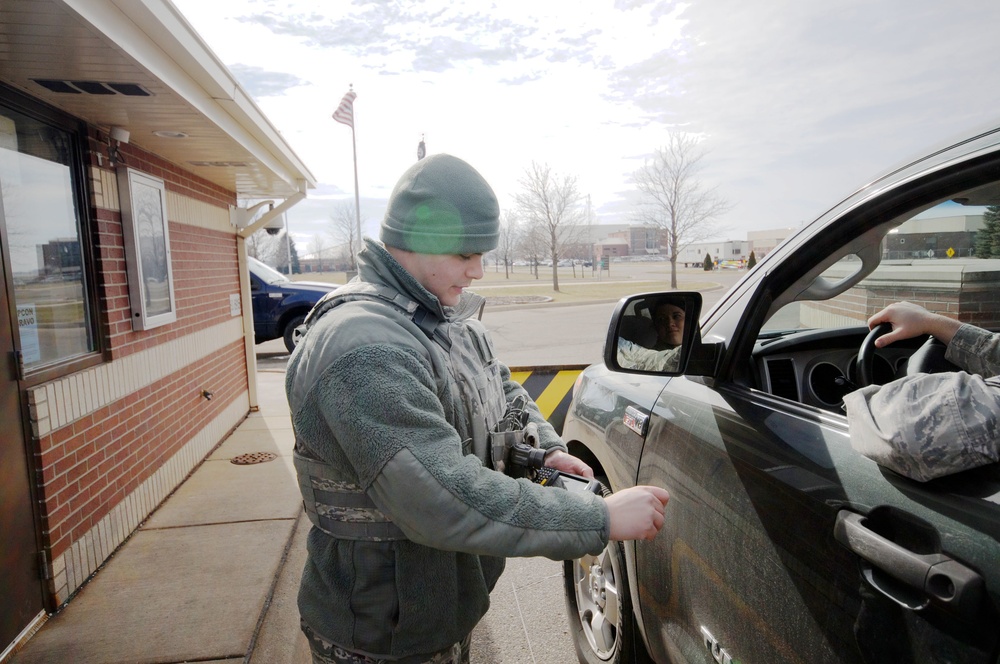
{"x":21,"y":593}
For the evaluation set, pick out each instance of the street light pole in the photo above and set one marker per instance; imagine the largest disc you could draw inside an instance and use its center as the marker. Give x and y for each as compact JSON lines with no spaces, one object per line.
{"x":288,"y":244}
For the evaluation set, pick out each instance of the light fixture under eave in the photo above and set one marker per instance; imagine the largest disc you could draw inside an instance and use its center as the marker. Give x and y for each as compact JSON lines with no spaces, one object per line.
{"x":116,"y":136}
{"x":169,"y":133}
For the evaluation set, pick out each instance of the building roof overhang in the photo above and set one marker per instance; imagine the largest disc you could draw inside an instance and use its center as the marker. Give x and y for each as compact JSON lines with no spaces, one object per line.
{"x":140,"y":66}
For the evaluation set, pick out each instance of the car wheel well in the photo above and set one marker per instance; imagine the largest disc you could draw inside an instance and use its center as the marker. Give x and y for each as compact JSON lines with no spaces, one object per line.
{"x":582,"y":452}
{"x":288,"y":333}
{"x":602,"y":623}
{"x":292,"y":314}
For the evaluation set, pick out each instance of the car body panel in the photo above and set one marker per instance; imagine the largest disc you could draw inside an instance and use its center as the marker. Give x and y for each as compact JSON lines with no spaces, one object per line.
{"x":277,"y":301}
{"x":272,"y":304}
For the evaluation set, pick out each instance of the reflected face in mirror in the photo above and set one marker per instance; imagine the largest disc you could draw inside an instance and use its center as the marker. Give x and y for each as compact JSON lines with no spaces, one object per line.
{"x":668,"y":320}
{"x":650,"y":332}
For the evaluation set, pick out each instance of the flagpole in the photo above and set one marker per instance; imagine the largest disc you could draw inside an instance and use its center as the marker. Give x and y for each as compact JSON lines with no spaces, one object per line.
{"x":357,"y":196}
{"x":345,"y":115}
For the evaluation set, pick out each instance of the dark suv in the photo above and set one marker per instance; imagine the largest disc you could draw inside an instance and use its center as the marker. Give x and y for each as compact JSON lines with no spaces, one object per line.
{"x":782,"y":543}
{"x":280,"y":304}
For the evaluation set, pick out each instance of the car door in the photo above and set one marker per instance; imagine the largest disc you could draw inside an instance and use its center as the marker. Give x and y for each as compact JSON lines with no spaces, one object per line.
{"x":263,"y":303}
{"x":759,"y":488}
{"x":783,"y":544}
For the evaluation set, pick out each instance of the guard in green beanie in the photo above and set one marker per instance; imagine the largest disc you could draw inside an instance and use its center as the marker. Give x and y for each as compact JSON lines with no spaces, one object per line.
{"x":441,"y":205}
{"x":393,"y":392}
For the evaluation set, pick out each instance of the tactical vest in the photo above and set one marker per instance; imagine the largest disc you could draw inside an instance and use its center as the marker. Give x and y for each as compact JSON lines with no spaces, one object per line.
{"x":343,"y":510}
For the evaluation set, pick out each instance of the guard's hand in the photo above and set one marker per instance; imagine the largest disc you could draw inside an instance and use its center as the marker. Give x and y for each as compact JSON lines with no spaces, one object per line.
{"x":568,"y":463}
{"x":637,"y":512}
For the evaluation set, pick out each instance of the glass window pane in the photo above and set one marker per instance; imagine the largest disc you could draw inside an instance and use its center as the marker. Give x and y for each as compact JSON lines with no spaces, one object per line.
{"x":152,"y":248}
{"x":44,"y":240}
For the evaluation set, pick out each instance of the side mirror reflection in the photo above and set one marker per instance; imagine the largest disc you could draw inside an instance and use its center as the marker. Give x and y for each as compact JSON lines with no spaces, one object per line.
{"x":654,"y":332}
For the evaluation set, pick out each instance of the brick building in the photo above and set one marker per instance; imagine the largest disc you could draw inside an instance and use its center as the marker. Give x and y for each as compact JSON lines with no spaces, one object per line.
{"x":128,"y":156}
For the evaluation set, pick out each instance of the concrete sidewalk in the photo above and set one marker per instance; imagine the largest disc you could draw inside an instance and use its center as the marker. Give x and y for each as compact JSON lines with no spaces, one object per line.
{"x":212,"y":575}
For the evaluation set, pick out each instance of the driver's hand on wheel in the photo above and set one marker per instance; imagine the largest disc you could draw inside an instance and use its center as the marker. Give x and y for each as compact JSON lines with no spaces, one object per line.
{"x":911,"y":320}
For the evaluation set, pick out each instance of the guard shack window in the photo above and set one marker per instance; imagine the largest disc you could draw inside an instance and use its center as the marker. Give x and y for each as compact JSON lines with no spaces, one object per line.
{"x":46,"y":272}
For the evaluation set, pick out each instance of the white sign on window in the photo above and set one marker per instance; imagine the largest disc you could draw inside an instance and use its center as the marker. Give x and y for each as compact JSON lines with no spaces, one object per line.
{"x":27,"y":324}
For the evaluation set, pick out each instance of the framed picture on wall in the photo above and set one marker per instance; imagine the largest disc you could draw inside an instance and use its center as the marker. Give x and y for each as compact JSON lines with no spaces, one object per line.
{"x":147,"y":248}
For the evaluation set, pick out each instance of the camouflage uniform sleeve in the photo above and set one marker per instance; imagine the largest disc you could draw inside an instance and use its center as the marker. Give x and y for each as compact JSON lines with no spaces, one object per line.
{"x":927,"y":425}
{"x":632,"y":355}
{"x":976,"y":350}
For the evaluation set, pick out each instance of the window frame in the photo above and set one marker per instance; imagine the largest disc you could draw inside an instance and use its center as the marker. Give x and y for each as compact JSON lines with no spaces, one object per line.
{"x":77,"y":132}
{"x":136,"y":266}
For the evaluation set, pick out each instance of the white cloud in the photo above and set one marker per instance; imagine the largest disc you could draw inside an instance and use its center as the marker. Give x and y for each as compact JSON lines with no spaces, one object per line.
{"x":798,"y":101}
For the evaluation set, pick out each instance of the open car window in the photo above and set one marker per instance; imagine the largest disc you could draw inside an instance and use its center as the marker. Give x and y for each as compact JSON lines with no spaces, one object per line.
{"x":939,"y":254}
{"x":922,"y":259}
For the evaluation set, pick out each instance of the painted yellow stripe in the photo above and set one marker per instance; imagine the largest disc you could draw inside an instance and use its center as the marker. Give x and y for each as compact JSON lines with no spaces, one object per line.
{"x":520,"y":376}
{"x":556,"y":390}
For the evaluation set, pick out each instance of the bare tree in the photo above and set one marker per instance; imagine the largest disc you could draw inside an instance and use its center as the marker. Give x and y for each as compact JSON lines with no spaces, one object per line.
{"x":268,"y":248}
{"x":674,"y":200}
{"x":254,"y":244}
{"x":551,"y":204}
{"x":507,"y":244}
{"x":532,"y":245}
{"x":317,"y":248}
{"x":344,"y":229}
{"x":281,"y":252}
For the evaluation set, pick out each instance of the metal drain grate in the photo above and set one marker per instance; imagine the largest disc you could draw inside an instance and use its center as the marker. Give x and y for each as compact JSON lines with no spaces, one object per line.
{"x":253,"y":457}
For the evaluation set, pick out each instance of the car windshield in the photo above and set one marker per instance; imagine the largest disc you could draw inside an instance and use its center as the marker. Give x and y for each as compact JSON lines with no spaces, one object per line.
{"x":266,"y":272}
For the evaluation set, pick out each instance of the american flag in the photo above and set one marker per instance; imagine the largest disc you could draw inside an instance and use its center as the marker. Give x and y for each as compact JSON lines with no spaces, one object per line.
{"x":345,"y":112}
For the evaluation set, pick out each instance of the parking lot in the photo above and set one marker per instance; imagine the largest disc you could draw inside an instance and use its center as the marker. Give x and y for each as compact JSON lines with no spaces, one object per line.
{"x":561,"y":333}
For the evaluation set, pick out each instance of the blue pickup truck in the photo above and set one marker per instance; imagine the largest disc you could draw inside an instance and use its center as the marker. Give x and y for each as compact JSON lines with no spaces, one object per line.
{"x":280,"y":305}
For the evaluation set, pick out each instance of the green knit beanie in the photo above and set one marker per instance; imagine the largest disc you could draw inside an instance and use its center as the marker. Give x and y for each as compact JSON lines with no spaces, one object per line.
{"x":441,"y":205}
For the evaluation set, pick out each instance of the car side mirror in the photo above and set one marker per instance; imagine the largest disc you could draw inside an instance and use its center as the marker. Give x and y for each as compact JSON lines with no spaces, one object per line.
{"x":653,"y":333}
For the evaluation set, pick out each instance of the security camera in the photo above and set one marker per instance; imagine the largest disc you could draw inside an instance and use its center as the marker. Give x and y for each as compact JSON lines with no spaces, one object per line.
{"x":274,"y":226}
{"x":120,"y":135}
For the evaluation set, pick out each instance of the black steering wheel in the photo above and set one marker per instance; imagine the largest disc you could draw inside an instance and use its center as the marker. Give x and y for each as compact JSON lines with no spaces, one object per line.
{"x":929,"y":358}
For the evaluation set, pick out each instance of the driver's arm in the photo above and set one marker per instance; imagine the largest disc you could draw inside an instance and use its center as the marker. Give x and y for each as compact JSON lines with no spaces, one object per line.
{"x":972,"y":348}
{"x":927,"y":425}
{"x":976,"y":350}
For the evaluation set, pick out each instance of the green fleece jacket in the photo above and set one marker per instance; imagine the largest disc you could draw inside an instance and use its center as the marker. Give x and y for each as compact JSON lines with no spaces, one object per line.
{"x":372,"y":396}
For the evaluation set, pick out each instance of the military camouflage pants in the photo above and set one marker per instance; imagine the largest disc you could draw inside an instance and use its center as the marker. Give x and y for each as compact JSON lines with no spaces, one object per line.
{"x":324,"y":652}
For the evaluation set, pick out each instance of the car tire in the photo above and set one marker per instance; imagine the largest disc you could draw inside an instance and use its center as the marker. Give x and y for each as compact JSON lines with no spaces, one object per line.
{"x":599,"y":606}
{"x":290,"y":336}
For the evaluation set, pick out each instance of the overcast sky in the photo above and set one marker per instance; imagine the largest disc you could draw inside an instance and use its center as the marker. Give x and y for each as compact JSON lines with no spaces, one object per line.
{"x":798,"y":102}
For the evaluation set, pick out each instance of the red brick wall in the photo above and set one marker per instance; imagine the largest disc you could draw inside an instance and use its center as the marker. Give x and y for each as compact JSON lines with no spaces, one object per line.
{"x":979,"y":306}
{"x":88,"y":467}
{"x":176,"y":178}
{"x":203,"y":262}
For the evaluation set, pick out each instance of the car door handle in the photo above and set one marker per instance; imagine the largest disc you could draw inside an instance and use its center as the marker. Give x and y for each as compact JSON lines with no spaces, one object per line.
{"x":934,"y":576}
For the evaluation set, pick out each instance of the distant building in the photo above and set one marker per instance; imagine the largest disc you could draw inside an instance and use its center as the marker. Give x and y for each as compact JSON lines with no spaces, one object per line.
{"x":615,"y":247}
{"x":623,"y":240}
{"x":934,"y":237}
{"x":761,"y":243}
{"x":720,"y":251}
